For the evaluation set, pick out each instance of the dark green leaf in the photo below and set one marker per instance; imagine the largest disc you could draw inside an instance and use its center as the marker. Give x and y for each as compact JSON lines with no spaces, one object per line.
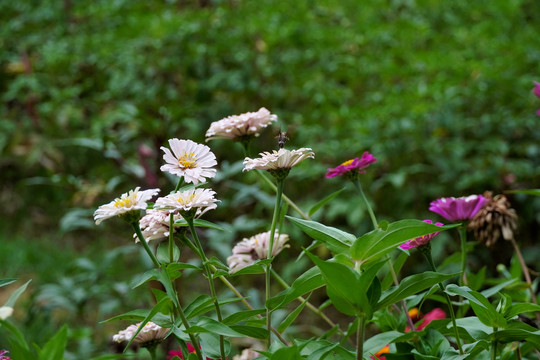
{"x":481,"y":306}
{"x":336,"y":240}
{"x":292,"y":316}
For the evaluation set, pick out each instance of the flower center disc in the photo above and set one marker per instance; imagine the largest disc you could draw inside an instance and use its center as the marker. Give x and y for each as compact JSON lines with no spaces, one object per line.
{"x":188,"y":161}
{"x":125,"y":201}
{"x":348,"y":162}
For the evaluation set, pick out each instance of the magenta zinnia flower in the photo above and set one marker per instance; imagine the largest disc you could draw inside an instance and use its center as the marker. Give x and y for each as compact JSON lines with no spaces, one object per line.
{"x":422,"y":240}
{"x":357,"y":164}
{"x":173,"y":353}
{"x":456,"y":209}
{"x":536,"y":89}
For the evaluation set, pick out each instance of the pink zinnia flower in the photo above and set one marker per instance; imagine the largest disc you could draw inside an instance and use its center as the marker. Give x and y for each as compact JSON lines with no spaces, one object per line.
{"x":435,"y":314}
{"x":536,"y":89}
{"x":456,"y":209}
{"x":3,"y":355}
{"x":173,"y":353}
{"x":422,"y":240}
{"x":357,"y":164}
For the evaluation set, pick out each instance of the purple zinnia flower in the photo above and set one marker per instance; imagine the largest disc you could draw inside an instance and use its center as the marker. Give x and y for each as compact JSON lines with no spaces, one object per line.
{"x":456,"y":209}
{"x":422,"y":240}
{"x":358,"y":164}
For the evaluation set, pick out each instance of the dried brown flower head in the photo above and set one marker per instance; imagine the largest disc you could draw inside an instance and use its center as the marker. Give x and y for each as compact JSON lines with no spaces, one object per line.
{"x":496,"y":218}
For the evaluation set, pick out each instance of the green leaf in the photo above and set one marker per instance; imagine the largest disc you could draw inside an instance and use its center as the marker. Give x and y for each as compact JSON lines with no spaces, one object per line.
{"x":377,"y":342}
{"x":286,"y":353}
{"x":410,"y":286}
{"x":144,"y":278}
{"x":200,"y":223}
{"x":163,"y":253}
{"x":308,"y":281}
{"x":55,"y":347}
{"x":497,"y":288}
{"x":480,"y":305}
{"x":158,"y":308}
{"x":377,"y":243}
{"x":521,"y":308}
{"x":258,"y":267}
{"x":336,"y":240}
{"x":343,"y":286}
{"x":209,"y":325}
{"x":203,"y":303}
{"x":15,"y":295}
{"x":251,"y":331}
{"x":535,"y":192}
{"x":19,"y":347}
{"x":292,"y":316}
{"x":4,"y":282}
{"x":323,"y":202}
{"x":242,"y":315}
{"x":210,"y":346}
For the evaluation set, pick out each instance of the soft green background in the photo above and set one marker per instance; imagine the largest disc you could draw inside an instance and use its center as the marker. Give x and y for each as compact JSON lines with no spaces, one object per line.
{"x":439,"y":91}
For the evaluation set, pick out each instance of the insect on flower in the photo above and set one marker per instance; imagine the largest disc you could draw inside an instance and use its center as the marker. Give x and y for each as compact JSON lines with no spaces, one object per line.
{"x":282,"y":138}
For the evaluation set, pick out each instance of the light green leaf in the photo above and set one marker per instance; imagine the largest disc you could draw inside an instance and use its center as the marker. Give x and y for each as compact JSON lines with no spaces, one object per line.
{"x":200,"y":223}
{"x":4,"y":282}
{"x":521,"y":308}
{"x":323,"y":202}
{"x":377,"y":243}
{"x":480,"y":305}
{"x":336,"y":240}
{"x":55,"y":347}
{"x":15,"y":295}
{"x":410,"y":286}
{"x":208,"y":325}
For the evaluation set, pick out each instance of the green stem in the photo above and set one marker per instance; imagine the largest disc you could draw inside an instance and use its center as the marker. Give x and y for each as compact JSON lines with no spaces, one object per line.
{"x":192,"y":337}
{"x":427,"y":253}
{"x":494,"y":347}
{"x":210,"y":281}
{"x":463,"y":237}
{"x":143,"y":242}
{"x":171,"y":237}
{"x":285,"y":197}
{"x":360,"y":337}
{"x":269,"y":255}
{"x":179,"y":184}
{"x":366,"y":202}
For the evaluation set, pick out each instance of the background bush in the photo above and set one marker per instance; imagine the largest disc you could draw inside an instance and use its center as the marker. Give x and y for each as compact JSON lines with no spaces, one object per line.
{"x":438,"y":91}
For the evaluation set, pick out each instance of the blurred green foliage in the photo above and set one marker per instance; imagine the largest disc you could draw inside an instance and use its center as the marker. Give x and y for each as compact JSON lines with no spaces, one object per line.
{"x":438,"y":91}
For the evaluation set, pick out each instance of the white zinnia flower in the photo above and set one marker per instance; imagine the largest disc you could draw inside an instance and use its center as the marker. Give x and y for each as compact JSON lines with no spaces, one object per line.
{"x":247,"y":251}
{"x":276,"y":160}
{"x":150,"y":333}
{"x":5,"y":312}
{"x":155,"y":224}
{"x":247,"y":354}
{"x":188,"y":159}
{"x":237,"y":126}
{"x":134,"y":200}
{"x":200,"y":200}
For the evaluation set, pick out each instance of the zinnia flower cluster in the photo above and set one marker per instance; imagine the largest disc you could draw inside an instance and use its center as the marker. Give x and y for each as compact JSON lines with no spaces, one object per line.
{"x":149,"y":335}
{"x":240,"y":126}
{"x":457,"y":209}
{"x":352,"y":167}
{"x":197,"y":200}
{"x":249,"y":250}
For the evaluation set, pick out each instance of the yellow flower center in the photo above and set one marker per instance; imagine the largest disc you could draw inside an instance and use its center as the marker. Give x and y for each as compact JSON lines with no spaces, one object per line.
{"x":188,"y":161}
{"x":184,"y":200}
{"x":348,"y":162}
{"x":126,"y":201}
{"x":413,"y":312}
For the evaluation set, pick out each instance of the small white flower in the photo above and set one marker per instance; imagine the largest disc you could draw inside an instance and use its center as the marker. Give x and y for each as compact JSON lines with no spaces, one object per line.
{"x":200,"y":199}
{"x":5,"y":312}
{"x":155,"y":224}
{"x":247,"y":251}
{"x":237,"y":126}
{"x":188,"y":159}
{"x":247,"y":354}
{"x":150,"y":333}
{"x":276,"y":160}
{"x":134,"y":200}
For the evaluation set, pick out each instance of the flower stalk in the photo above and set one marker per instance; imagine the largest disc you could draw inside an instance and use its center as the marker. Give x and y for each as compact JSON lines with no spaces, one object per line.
{"x":268,"y":272}
{"x":426,"y":251}
{"x":463,"y":238}
{"x":360,"y":337}
{"x":142,"y":240}
{"x":210,"y":279}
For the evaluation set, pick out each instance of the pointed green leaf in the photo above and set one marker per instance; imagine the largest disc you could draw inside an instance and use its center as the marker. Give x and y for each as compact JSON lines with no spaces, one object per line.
{"x":292,"y":316}
{"x":307,"y":282}
{"x":251,"y":331}
{"x":200,"y":223}
{"x":4,"y":282}
{"x":336,"y":240}
{"x":480,"y":305}
{"x":209,"y":325}
{"x":521,"y":308}
{"x":323,"y":202}
{"x":258,"y":267}
{"x":410,"y":286}
{"x":15,"y":295}
{"x":241,"y":316}
{"x":377,"y":243}
{"x":55,"y":347}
